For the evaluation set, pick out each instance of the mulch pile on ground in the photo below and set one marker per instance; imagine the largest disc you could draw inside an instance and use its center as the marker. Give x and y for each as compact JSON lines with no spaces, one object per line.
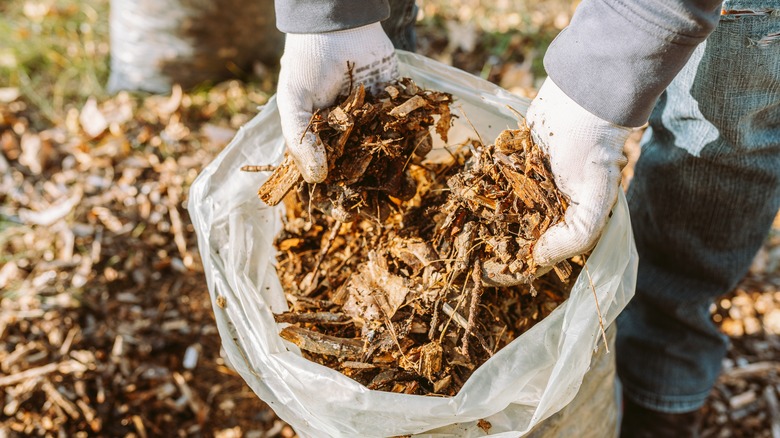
{"x":106,"y":327}
{"x":744,"y":402}
{"x":394,"y":290}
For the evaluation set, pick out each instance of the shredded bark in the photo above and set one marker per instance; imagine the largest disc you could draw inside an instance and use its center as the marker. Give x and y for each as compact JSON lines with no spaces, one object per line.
{"x":390,"y":265}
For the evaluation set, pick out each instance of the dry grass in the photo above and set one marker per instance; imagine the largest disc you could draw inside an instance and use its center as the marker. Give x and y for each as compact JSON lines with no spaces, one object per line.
{"x":55,"y":53}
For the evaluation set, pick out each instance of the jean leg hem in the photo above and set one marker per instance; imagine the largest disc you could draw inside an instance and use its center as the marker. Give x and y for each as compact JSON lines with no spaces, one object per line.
{"x":670,"y":404}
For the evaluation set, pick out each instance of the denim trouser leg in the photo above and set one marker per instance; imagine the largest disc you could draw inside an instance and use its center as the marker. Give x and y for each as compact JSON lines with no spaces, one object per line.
{"x":400,"y":26}
{"x":706,"y":190}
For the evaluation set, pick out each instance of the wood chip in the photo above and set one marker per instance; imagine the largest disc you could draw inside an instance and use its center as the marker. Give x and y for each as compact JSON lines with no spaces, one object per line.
{"x":740,"y":401}
{"x":66,"y":367}
{"x":65,"y":404}
{"x":403,"y":110}
{"x":281,"y":181}
{"x":754,"y":369}
{"x":344,"y":349}
{"x":770,"y":395}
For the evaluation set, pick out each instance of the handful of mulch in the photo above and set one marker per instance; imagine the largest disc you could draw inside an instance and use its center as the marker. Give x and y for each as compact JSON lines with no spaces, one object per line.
{"x":370,"y":141}
{"x":394,"y":289}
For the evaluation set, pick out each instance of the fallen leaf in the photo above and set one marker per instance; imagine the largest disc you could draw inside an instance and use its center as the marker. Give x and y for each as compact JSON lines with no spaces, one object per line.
{"x":9,"y":94}
{"x":35,"y":152}
{"x":92,"y":120}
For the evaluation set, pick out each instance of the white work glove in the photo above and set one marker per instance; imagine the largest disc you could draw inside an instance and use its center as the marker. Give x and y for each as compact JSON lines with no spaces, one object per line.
{"x":314,"y":72}
{"x":586,"y":156}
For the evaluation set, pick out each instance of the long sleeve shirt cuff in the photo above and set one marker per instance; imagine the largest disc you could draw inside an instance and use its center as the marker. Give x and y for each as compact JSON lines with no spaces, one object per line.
{"x":617,"y":56}
{"x":319,"y":16}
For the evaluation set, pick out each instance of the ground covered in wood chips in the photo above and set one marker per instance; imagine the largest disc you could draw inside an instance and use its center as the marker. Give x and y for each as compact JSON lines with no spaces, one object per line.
{"x":105,"y":322}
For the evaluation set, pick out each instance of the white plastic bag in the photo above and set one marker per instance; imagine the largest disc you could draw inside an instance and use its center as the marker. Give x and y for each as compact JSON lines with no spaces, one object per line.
{"x":526,"y":382}
{"x":158,"y":43}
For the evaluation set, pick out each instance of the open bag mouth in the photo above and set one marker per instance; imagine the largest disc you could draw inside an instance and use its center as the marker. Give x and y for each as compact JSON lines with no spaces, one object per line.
{"x":532,"y":378}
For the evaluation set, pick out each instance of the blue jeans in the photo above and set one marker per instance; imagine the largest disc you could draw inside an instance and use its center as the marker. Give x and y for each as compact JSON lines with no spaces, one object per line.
{"x":706,"y":191}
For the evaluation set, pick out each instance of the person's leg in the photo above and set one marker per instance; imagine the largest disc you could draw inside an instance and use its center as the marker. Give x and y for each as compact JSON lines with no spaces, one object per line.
{"x":400,"y":26}
{"x":706,"y":191}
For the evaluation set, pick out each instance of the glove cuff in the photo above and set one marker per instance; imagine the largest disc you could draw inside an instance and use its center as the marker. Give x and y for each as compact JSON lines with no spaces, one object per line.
{"x":359,"y":36}
{"x":306,"y":16}
{"x":551,"y":96}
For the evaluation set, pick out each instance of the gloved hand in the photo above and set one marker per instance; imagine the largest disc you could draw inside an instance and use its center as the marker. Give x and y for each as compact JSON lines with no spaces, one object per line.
{"x":315,"y":71}
{"x":586,"y":156}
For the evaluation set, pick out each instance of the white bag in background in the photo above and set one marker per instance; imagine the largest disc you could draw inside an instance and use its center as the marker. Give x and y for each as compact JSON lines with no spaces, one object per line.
{"x":158,"y":43}
{"x":526,"y":382}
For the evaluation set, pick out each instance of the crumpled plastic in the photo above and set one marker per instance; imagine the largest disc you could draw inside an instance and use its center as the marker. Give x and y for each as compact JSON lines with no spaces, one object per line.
{"x":528,"y":381}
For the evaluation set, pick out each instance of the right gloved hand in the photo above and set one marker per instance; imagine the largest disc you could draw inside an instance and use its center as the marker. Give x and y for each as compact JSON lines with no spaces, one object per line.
{"x":314,"y":72}
{"x":586,"y":157}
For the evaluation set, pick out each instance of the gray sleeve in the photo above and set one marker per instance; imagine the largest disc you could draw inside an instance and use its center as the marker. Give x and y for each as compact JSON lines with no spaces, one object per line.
{"x":318,"y":16}
{"x":617,"y":56}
